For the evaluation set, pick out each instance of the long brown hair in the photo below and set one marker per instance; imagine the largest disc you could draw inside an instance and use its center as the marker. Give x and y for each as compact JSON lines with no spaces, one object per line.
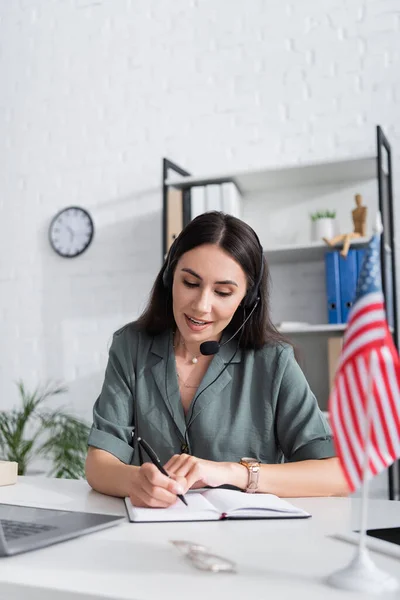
{"x":240,"y":241}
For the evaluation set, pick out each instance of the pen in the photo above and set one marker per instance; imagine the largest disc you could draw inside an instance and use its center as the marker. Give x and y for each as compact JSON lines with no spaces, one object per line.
{"x":156,"y":461}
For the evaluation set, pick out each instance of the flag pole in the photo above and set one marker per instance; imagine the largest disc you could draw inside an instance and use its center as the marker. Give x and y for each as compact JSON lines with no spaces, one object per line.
{"x":361,"y":574}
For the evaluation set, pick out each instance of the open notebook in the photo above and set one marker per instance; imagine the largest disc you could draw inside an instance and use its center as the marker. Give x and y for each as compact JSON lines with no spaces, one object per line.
{"x":216,"y":504}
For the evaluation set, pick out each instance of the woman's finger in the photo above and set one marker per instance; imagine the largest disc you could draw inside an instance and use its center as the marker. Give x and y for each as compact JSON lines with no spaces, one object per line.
{"x":183,"y":467}
{"x":195,"y":473}
{"x":158,"y":485}
{"x":174,"y":460}
{"x":142,"y":498}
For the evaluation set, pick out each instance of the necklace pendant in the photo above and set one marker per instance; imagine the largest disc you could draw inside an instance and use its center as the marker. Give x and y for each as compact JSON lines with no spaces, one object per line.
{"x":195,"y":360}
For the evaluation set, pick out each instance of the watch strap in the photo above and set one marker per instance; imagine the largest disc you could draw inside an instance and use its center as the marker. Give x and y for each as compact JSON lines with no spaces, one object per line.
{"x":253,"y":468}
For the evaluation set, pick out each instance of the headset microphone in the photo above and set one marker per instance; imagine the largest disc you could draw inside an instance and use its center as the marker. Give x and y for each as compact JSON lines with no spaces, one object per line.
{"x":211,"y":347}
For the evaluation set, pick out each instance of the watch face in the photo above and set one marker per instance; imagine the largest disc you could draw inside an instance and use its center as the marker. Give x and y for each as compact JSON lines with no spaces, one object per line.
{"x":247,"y":459}
{"x":71,"y":231}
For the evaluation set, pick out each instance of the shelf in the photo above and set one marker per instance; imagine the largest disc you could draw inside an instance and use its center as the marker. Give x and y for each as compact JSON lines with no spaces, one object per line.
{"x":304,"y":252}
{"x":324,"y":329}
{"x":307,"y":329}
{"x":336,"y":172}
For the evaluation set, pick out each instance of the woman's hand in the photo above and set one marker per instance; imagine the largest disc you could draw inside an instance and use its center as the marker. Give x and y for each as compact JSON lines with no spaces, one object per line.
{"x":197,"y":472}
{"x":150,"y":488}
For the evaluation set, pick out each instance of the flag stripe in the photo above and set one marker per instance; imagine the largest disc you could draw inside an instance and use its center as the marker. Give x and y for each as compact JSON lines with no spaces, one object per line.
{"x":359,"y":415}
{"x":366,"y":301}
{"x":392,"y":386}
{"x":366,"y":339}
{"x":350,"y":473}
{"x":374,"y":313}
{"x":386,"y":412}
{"x":360,"y":329}
{"x":347,"y":434}
{"x":376,"y":432}
{"x":377,"y":464}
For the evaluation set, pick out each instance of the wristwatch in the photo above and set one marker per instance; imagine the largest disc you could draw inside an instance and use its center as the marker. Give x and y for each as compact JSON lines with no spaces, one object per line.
{"x":253,"y":467}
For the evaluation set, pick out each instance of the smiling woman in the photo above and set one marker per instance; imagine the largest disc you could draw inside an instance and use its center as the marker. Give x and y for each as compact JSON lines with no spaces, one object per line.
{"x":209,"y":383}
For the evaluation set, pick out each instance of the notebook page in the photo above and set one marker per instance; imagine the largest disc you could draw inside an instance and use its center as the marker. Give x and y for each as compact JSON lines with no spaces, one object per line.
{"x":198,"y":509}
{"x":231,"y":501}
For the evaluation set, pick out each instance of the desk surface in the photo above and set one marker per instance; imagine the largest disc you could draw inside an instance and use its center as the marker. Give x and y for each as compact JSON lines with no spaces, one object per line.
{"x":275,"y":558}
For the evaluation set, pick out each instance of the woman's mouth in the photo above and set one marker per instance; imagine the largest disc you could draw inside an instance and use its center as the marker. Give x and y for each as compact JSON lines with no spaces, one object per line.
{"x":196,"y":324}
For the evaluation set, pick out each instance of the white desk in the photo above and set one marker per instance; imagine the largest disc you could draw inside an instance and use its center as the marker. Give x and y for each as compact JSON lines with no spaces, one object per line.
{"x":275,"y":559}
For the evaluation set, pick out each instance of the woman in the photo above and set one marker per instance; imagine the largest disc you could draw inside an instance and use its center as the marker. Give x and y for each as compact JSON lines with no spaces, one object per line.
{"x":237,"y":412}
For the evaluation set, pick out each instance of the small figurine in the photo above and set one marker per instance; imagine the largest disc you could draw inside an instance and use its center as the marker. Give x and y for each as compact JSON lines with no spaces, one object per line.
{"x":359,"y":216}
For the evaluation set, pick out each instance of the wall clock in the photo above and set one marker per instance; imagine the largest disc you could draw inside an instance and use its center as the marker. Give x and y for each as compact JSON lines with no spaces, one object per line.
{"x":71,"y":231}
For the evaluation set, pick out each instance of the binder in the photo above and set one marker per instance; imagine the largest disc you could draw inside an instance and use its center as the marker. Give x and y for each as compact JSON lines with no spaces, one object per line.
{"x":348,"y":282}
{"x":198,"y":200}
{"x":174,"y":215}
{"x":231,"y":199}
{"x":213,"y":197}
{"x":332,"y":278}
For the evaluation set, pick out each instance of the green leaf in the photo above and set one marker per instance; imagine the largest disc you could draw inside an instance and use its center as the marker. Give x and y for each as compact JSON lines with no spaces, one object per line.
{"x":66,"y":445}
{"x":326,"y":214}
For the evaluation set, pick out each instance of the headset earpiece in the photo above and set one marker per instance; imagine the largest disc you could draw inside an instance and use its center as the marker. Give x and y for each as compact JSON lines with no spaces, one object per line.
{"x":166,"y":277}
{"x":253,"y":295}
{"x":167,"y":274}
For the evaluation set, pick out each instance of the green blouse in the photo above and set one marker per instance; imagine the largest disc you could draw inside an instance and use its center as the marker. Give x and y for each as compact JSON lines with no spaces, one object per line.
{"x":253,"y":403}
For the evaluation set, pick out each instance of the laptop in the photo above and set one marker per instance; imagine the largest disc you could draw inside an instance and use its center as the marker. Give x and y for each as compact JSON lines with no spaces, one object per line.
{"x":24,"y":528}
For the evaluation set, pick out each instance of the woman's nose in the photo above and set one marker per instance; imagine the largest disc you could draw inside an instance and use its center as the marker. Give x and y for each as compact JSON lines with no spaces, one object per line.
{"x":202,"y":302}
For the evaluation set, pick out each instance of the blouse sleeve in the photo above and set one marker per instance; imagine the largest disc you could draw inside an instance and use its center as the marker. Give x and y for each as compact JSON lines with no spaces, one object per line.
{"x":113,"y":410}
{"x":302,"y":429}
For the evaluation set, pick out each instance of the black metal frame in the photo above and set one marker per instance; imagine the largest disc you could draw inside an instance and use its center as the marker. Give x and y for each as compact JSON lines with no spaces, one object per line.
{"x":387,"y":212}
{"x":167,"y":165}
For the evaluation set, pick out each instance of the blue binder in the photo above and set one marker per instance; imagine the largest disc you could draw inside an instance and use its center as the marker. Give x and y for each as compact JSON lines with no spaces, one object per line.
{"x":348,"y":282}
{"x":332,"y":278}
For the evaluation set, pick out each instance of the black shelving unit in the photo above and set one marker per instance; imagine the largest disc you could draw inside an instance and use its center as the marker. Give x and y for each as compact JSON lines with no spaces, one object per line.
{"x":384,"y":177}
{"x":388,"y":261}
{"x":167,"y":168}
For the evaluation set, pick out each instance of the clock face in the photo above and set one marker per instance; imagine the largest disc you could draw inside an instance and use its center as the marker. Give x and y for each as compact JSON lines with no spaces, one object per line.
{"x":71,"y":231}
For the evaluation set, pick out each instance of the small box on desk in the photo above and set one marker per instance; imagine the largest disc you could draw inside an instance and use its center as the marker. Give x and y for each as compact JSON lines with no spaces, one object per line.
{"x":8,"y":472}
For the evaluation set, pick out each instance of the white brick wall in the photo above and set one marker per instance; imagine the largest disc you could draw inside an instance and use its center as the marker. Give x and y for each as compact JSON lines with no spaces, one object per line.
{"x":95,"y":92}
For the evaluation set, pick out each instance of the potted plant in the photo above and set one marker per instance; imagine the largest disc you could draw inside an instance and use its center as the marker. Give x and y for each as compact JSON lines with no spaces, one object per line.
{"x":33,"y":430}
{"x":323,"y":224}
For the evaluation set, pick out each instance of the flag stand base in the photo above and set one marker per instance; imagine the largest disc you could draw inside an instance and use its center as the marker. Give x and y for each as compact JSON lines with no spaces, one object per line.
{"x":361,"y":575}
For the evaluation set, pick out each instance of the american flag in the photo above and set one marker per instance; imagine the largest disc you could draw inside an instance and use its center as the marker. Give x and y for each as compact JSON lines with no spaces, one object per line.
{"x":367,"y":332}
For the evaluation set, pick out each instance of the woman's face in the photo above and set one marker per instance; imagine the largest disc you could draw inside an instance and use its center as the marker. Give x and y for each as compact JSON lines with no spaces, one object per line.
{"x":208,"y":287}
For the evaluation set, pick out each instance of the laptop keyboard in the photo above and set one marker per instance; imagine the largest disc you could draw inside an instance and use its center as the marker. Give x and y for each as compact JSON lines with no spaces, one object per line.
{"x":14,"y":530}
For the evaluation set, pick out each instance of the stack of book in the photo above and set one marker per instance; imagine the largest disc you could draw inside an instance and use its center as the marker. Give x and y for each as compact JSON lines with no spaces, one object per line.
{"x":216,"y":196}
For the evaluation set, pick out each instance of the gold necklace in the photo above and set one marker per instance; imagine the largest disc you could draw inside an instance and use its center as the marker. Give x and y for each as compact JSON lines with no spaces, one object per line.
{"x":185,"y":384}
{"x":195,"y":359}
